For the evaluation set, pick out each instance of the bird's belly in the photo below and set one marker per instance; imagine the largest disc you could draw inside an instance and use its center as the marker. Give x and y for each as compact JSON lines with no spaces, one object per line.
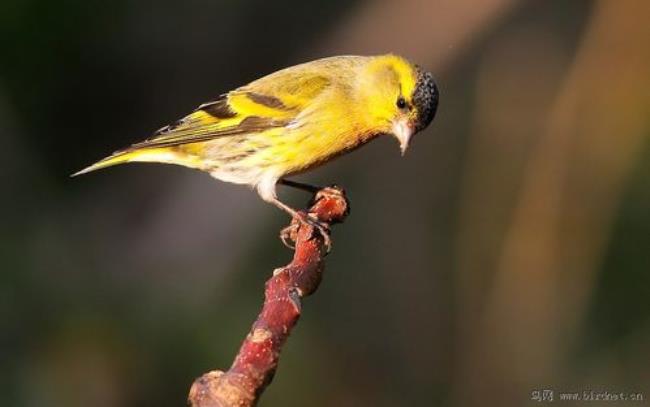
{"x":249,"y":158}
{"x":297,"y":153}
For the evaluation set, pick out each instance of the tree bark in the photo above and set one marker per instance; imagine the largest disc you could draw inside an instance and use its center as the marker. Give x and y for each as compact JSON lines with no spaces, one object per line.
{"x":258,"y":356}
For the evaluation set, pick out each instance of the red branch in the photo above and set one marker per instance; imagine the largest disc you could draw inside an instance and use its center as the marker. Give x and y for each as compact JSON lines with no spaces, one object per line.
{"x":259,"y":354}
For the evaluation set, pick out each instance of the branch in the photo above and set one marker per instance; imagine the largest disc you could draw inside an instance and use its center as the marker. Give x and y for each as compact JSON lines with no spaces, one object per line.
{"x":259,"y":354}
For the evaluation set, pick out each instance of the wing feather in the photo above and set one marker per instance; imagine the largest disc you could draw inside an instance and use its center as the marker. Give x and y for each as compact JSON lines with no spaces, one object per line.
{"x":276,"y":101}
{"x":270,"y":102}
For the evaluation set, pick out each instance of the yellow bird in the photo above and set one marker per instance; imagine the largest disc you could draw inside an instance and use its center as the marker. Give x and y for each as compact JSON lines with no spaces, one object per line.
{"x":293,"y":120}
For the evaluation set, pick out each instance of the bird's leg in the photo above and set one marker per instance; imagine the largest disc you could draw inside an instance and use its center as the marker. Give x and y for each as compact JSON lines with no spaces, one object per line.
{"x":286,"y":233}
{"x":299,"y":185}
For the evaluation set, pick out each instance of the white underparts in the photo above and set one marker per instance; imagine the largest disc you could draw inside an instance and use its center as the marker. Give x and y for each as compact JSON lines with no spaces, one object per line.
{"x":263,"y":181}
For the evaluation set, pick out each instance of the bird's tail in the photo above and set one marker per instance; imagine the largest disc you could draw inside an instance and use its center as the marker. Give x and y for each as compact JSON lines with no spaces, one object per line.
{"x":159,"y":155}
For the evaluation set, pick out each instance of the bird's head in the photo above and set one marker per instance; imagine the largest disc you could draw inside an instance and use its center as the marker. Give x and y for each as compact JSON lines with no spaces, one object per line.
{"x":400,"y":97}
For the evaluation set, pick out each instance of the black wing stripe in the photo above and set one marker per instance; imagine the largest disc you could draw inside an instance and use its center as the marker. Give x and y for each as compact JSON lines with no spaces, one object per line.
{"x":266,"y":100}
{"x":218,"y":108}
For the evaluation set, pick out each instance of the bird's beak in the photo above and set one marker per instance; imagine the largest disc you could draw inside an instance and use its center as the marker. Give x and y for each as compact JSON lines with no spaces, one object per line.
{"x":403,"y":131}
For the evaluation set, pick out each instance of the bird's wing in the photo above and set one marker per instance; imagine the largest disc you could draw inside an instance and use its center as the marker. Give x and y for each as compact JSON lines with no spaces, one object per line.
{"x":270,"y":102}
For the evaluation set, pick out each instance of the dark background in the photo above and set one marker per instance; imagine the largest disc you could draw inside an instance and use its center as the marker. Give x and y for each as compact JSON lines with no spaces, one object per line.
{"x":507,"y":252}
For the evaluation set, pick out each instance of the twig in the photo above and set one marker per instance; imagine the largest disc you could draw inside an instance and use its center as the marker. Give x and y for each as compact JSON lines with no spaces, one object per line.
{"x":259,"y":354}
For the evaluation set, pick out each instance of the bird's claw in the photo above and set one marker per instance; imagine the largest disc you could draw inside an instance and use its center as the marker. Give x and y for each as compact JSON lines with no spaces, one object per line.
{"x":290,"y":233}
{"x":324,"y":230}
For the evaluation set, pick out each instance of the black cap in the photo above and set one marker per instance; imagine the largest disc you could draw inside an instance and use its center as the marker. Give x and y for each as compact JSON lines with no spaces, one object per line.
{"x":425,"y":99}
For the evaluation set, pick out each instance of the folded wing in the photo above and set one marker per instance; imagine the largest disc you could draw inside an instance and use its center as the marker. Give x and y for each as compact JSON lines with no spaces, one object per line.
{"x":272,"y":102}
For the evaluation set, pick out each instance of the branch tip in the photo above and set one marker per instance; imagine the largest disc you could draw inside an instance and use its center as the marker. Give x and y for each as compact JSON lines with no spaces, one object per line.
{"x":258,"y":356}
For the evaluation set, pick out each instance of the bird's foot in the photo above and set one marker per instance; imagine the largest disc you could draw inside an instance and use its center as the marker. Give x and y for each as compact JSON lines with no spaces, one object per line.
{"x":290,"y":233}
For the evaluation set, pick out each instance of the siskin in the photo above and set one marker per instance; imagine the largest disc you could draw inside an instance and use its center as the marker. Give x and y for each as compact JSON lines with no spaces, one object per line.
{"x":293,"y":120}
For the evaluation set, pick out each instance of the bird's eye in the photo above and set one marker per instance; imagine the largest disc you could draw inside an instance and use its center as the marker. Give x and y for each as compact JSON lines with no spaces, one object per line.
{"x":401,"y":102}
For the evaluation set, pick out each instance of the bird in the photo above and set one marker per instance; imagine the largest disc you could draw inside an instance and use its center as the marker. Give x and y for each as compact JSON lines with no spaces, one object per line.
{"x":294,"y":120}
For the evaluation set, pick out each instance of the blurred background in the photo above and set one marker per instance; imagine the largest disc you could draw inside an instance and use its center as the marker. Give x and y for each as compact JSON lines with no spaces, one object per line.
{"x":508,"y":252}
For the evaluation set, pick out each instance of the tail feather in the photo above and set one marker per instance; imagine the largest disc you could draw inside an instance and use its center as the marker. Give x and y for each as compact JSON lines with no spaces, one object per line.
{"x":160,"y":155}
